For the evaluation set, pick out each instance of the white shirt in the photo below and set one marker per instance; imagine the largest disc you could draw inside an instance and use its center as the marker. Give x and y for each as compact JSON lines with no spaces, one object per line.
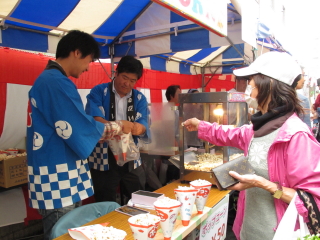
{"x":121,"y":104}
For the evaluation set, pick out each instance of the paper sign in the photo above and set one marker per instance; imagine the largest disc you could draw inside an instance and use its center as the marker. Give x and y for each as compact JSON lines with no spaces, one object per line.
{"x":215,"y":226}
{"x":209,"y":14}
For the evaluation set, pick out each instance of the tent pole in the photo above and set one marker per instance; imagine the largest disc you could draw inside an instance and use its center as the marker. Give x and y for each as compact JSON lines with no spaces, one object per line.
{"x":164,"y":33}
{"x":212,"y":76}
{"x":132,"y":21}
{"x":111,"y":53}
{"x":245,"y":61}
{"x":202,"y":79}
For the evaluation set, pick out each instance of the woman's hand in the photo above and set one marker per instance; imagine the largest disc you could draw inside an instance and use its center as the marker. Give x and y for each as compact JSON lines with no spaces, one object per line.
{"x":191,"y":124}
{"x":246,"y":181}
{"x":252,"y":180}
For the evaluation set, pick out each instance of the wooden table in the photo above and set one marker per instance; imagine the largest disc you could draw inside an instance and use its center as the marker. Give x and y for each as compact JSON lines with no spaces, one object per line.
{"x":120,"y":221}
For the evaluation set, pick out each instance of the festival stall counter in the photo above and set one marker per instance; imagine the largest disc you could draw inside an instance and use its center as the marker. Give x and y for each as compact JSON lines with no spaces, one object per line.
{"x":210,"y":223}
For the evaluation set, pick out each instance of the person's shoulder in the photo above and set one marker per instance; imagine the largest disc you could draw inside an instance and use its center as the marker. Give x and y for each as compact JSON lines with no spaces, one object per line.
{"x":102,"y":85}
{"x":52,"y":73}
{"x":301,"y":96}
{"x":294,"y":124}
{"x":139,"y":95}
{"x":232,"y":90}
{"x":52,"y":77}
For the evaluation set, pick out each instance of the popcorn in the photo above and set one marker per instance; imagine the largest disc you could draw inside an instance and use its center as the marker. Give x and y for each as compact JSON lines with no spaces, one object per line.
{"x":166,"y":202}
{"x":5,"y":154}
{"x":200,"y":182}
{"x":145,"y":219}
{"x":109,"y":233}
{"x":185,"y":188}
{"x":144,"y":226}
{"x":208,"y":161}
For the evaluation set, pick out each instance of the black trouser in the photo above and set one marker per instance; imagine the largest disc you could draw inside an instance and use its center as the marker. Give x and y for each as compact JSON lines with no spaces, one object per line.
{"x":105,"y":183}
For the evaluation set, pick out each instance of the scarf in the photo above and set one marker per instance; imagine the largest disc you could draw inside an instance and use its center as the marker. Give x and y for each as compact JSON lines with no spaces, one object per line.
{"x":258,"y":119}
{"x":130,"y":106}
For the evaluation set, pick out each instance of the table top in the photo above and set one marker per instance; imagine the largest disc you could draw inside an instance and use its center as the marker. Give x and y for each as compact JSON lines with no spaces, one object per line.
{"x":120,"y":221}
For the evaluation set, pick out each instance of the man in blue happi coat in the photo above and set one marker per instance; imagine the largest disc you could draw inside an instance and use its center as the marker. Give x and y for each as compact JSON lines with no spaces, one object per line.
{"x":117,"y":100}
{"x":60,"y":135}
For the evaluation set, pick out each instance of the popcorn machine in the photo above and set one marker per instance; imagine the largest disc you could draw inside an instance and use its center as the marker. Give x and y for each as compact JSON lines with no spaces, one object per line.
{"x":225,"y":108}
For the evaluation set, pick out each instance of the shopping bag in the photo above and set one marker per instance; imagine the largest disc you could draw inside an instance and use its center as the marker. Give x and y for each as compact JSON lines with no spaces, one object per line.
{"x":313,"y":211}
{"x":287,"y":224}
{"x":315,"y":129}
{"x":124,"y":148}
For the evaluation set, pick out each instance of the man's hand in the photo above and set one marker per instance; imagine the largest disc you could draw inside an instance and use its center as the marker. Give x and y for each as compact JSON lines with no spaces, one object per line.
{"x":138,"y":129}
{"x":127,"y":126}
{"x":111,"y":129}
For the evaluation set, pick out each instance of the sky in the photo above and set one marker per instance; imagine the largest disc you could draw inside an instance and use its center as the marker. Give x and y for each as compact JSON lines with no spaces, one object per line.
{"x":301,"y":33}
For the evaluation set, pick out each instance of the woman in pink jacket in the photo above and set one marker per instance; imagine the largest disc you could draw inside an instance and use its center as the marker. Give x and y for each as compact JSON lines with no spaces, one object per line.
{"x":280,"y":147}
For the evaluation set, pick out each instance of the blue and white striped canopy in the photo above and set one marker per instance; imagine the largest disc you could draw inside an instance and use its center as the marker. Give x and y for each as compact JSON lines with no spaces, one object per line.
{"x":162,"y":39}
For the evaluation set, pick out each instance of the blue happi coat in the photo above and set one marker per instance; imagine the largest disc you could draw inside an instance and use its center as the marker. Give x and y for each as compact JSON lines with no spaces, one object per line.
{"x":60,"y":137}
{"x":98,"y":99}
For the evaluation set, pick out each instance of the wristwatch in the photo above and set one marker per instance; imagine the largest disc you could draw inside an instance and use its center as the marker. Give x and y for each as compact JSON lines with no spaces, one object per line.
{"x":278,"y":193}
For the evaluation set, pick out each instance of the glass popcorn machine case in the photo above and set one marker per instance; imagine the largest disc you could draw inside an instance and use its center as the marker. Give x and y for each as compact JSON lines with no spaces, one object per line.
{"x":225,"y":108}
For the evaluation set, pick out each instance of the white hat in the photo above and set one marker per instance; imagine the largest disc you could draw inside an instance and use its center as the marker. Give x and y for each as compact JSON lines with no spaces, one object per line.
{"x":278,"y":65}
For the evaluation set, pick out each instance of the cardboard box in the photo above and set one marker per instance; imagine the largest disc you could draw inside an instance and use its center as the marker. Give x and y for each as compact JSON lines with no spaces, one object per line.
{"x":13,"y":171}
{"x":145,"y":197}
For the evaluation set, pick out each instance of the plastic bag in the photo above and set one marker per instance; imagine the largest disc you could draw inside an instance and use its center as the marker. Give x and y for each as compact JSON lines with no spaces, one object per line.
{"x":123,"y":148}
{"x":287,"y":224}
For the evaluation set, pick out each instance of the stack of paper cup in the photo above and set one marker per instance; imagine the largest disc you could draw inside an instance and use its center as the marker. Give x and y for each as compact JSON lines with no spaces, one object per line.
{"x":203,"y":187}
{"x":167,"y":209}
{"x":144,"y":226}
{"x":187,"y":196}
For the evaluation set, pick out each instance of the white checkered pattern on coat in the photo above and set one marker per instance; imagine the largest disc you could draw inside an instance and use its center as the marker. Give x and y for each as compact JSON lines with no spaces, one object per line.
{"x":57,"y":186}
{"x":98,"y":159}
{"x":137,"y":163}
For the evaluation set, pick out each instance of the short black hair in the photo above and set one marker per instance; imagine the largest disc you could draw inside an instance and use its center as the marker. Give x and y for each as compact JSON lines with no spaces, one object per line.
{"x":128,"y":64}
{"x":82,"y":41}
{"x":171,"y":91}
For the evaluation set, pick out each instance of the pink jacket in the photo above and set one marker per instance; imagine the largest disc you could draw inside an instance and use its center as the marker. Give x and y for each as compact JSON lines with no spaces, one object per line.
{"x":293,"y":159}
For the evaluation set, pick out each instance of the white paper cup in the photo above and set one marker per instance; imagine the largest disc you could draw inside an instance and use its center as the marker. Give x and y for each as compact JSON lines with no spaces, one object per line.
{"x":168,"y":217}
{"x":202,"y":196}
{"x":114,"y":146}
{"x":124,"y":145}
{"x":143,"y":231}
{"x":187,"y":197}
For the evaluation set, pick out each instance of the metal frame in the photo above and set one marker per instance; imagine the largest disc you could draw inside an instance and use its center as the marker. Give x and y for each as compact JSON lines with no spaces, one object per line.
{"x":207,"y":97}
